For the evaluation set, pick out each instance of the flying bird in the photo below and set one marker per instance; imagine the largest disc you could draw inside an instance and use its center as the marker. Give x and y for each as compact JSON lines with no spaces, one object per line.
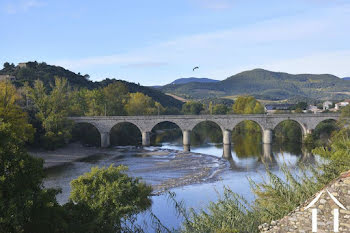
{"x":197,"y":67}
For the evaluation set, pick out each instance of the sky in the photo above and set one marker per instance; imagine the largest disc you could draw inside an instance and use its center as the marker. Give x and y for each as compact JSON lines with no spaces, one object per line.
{"x":154,"y":42}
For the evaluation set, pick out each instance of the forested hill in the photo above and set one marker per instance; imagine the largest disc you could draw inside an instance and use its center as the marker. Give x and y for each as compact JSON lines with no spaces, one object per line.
{"x":47,"y":73}
{"x":265,"y":84}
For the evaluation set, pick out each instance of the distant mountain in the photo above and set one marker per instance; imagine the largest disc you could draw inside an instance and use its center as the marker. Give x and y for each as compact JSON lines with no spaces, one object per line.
{"x":346,"y":78}
{"x":268,"y":85}
{"x":31,"y":71}
{"x":193,"y":79}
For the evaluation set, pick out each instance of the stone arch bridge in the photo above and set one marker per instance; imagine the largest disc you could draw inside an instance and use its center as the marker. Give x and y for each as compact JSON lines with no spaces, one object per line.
{"x":186,"y":123}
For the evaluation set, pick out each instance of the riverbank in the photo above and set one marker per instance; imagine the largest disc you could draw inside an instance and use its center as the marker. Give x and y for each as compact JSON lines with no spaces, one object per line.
{"x":164,"y":169}
{"x":71,"y":153}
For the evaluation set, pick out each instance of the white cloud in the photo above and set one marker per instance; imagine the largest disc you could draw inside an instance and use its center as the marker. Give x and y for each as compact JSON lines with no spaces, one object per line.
{"x":22,"y":6}
{"x":303,"y":43}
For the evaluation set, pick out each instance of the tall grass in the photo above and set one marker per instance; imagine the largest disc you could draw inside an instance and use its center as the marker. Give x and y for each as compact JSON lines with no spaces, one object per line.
{"x":275,"y":196}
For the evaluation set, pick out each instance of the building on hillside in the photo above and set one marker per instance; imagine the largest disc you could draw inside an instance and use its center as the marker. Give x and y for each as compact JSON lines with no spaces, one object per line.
{"x":271,"y":108}
{"x":327,"y":105}
{"x":313,"y":108}
{"x":22,"y":65}
{"x":342,"y":104}
{"x":7,"y":77}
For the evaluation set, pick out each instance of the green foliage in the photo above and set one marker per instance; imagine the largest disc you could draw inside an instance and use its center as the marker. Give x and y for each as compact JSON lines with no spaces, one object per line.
{"x":12,"y":114}
{"x":125,"y":134}
{"x":140,"y":104}
{"x":24,"y":205}
{"x":278,"y":196}
{"x":345,"y":114}
{"x":192,"y":108}
{"x":247,"y":105}
{"x":113,"y":194}
{"x":245,"y":144}
{"x":230,"y":214}
{"x":47,"y":73}
{"x":301,"y":105}
{"x":87,"y":134}
{"x":288,"y":131}
{"x":52,"y":110}
{"x":275,"y":197}
{"x":220,"y":109}
{"x":205,"y":132}
{"x":338,"y":153}
{"x":115,"y":97}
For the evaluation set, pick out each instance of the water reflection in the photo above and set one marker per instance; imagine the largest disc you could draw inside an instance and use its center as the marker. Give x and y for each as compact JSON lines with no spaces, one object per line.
{"x":244,"y":145}
{"x":246,"y":157}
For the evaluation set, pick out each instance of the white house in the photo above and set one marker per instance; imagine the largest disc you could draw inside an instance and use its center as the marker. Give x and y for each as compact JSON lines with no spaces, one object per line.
{"x":342,"y":104}
{"x":327,"y":105}
{"x":313,"y":108}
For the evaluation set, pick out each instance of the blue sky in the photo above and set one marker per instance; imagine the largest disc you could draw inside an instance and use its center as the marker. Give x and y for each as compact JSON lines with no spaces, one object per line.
{"x":156,"y":41}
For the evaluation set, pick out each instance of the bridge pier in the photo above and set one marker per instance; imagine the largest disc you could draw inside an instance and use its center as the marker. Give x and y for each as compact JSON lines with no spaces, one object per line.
{"x":267,"y":136}
{"x":267,"y":149}
{"x":186,"y":140}
{"x":146,"y":138}
{"x":105,"y":140}
{"x":226,"y":138}
{"x":306,"y":133}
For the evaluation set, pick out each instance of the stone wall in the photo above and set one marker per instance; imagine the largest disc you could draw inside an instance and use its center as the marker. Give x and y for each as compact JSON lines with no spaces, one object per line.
{"x":300,"y":220}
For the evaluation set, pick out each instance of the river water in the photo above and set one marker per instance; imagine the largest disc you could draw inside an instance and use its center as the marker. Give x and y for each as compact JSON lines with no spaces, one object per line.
{"x":154,"y":168}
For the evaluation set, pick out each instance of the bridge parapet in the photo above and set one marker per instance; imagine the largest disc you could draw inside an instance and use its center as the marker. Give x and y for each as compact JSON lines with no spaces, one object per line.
{"x":186,"y":123}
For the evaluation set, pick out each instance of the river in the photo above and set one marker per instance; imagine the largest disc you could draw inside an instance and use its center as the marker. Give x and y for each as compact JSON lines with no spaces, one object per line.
{"x":248,"y":160}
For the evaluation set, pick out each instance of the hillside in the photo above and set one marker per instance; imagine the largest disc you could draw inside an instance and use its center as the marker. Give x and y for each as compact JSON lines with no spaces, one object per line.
{"x":268,"y":85}
{"x":46,"y":73}
{"x":193,"y":79}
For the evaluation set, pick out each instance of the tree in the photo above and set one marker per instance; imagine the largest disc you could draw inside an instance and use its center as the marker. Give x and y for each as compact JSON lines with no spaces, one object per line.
{"x":192,"y":108}
{"x":112,"y":194}
{"x":301,"y":105}
{"x":52,"y":110}
{"x":24,"y":205}
{"x":247,"y":105}
{"x":115,"y":97}
{"x":345,"y":112}
{"x":140,"y":104}
{"x":220,"y":109}
{"x":12,"y":114}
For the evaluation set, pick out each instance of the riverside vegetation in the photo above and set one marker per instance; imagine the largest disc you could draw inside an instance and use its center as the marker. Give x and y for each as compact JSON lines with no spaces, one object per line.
{"x":36,"y":116}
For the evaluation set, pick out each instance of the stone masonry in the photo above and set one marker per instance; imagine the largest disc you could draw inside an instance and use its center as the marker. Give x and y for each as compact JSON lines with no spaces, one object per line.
{"x":300,"y":220}
{"x":186,"y":123}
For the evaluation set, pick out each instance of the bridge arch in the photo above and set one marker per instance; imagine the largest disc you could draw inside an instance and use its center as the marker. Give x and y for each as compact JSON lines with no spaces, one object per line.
{"x":126,"y":122}
{"x":324,"y":129}
{"x":249,"y":120}
{"x":174,"y":132}
{"x":304,"y":128}
{"x":86,"y":133}
{"x":216,"y":136}
{"x":125,"y":133}
{"x":285,"y":135}
{"x":324,"y":120}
